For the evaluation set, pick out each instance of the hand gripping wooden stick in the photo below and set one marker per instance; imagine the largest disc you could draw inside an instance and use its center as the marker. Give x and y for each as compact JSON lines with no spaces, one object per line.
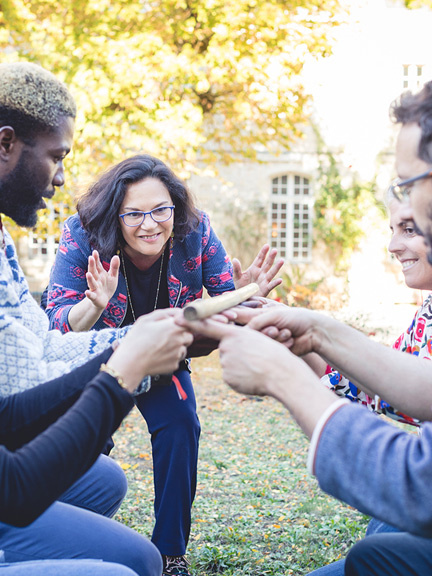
{"x":200,"y":309}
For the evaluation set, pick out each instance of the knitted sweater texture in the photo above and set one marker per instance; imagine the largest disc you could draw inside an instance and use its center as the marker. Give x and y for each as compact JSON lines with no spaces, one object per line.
{"x":32,"y":353}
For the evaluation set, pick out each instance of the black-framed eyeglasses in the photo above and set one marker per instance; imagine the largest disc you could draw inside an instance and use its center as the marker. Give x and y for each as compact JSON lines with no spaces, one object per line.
{"x":401,"y":189}
{"x":136,"y":218}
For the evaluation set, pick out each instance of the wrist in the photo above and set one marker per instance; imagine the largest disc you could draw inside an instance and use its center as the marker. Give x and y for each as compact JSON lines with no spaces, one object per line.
{"x":116,"y":375}
{"x":318,"y":332}
{"x":95,"y":306}
{"x":125,"y":379}
{"x":286,"y":377}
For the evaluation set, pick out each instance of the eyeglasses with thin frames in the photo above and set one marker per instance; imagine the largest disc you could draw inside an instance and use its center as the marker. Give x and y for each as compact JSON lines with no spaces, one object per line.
{"x":401,"y":189}
{"x":136,"y":218}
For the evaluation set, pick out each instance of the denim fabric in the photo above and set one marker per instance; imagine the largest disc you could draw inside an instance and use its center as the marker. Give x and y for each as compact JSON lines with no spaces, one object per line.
{"x":198,"y":261}
{"x":175,"y":430}
{"x":377,"y":527}
{"x":93,"y":492}
{"x":66,"y":532}
{"x":338,"y":568}
{"x":333,"y":569}
{"x":390,"y":554}
{"x":65,"y":568}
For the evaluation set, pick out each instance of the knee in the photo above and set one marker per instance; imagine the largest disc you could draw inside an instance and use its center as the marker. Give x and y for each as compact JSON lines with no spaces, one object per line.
{"x":146,"y":559}
{"x":187,"y":420}
{"x":180,"y":419}
{"x":183,"y":428}
{"x":114,"y":477}
{"x":361,"y":557}
{"x":119,"y":480}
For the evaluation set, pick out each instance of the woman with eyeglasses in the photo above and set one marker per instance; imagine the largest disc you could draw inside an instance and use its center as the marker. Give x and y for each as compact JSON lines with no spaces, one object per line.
{"x":138,"y":243}
{"x":410,"y":250}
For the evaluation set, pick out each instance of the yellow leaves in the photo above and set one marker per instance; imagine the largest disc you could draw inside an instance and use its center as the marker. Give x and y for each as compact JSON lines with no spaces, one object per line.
{"x":135,"y":59}
{"x":125,"y":466}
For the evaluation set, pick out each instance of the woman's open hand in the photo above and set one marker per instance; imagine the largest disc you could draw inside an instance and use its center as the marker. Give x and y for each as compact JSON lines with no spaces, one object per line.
{"x":262,"y":271}
{"x":101,"y":283}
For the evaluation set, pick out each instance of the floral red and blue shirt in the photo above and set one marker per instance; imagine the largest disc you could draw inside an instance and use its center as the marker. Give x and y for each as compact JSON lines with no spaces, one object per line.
{"x":198,"y":261}
{"x":416,"y":340}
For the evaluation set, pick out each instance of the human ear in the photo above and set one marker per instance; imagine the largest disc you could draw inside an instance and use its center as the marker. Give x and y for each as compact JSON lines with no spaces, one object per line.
{"x":7,"y":141}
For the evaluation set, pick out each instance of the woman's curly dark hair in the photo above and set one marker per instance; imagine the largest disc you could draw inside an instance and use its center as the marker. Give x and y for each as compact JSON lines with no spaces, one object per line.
{"x":99,"y":207}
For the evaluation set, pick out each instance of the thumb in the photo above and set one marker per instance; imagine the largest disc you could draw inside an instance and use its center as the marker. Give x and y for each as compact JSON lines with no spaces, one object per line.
{"x":237,"y":269}
{"x":211,"y":328}
{"x":114,"y":266}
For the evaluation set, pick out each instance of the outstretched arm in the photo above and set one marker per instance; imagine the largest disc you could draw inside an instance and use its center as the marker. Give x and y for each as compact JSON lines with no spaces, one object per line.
{"x":390,"y":466}
{"x":262,"y":271}
{"x":402,"y":380}
{"x":252,"y":363}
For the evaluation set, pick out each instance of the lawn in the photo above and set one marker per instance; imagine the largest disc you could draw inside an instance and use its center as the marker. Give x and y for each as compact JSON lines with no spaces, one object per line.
{"x":257,"y":511}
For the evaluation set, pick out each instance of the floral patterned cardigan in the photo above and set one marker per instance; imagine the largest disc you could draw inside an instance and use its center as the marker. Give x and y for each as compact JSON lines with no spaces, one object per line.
{"x":198,"y":261}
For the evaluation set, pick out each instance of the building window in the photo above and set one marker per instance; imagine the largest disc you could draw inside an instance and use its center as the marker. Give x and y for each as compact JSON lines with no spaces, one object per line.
{"x":290,"y":217}
{"x":413,"y":76}
{"x":44,"y":242}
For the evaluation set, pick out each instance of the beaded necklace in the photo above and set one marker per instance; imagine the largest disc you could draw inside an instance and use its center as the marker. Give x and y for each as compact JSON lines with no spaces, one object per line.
{"x":127,"y":284}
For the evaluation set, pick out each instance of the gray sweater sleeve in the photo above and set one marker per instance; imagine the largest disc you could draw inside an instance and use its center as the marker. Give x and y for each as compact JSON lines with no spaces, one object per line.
{"x":379,"y":469}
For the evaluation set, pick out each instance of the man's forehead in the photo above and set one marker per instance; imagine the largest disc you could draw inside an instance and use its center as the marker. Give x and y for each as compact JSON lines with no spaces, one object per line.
{"x":59,"y":139}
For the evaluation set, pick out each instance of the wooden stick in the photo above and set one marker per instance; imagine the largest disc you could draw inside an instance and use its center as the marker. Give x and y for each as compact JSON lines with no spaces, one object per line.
{"x":204,"y":308}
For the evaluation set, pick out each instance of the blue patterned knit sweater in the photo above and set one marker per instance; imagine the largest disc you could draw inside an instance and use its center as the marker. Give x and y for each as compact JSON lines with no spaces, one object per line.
{"x":32,"y":353}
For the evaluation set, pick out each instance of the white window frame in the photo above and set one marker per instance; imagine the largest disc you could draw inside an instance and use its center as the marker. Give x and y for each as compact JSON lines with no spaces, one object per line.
{"x":291,"y":195}
{"x":413,"y":76}
{"x":44,"y":246}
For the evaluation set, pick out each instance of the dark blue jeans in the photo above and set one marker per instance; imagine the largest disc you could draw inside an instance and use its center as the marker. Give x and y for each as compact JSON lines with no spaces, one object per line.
{"x":79,"y":528}
{"x":339,"y":568}
{"x":174,"y":427}
{"x":390,"y":554}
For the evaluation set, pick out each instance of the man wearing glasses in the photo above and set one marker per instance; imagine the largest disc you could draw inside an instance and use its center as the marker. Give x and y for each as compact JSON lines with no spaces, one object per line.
{"x":356,"y":456}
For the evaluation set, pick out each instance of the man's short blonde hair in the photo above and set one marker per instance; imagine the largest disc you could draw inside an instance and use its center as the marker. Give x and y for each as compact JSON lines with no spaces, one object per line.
{"x":28,"y":90}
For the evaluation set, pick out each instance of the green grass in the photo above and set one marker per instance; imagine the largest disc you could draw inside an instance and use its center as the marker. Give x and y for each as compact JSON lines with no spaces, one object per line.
{"x":257,"y":511}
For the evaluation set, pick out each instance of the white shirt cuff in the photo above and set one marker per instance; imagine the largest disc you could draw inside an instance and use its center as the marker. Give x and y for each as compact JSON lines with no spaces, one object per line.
{"x":325,"y":417}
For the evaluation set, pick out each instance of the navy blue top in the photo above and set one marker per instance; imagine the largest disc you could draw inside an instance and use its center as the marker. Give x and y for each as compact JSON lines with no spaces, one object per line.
{"x":52,"y":434}
{"x":143,"y":288}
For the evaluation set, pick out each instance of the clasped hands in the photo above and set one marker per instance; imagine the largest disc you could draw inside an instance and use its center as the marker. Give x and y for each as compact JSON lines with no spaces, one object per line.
{"x":256,"y":345}
{"x":263,"y":345}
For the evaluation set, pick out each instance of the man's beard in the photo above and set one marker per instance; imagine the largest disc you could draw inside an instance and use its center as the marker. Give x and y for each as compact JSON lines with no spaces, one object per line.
{"x":20,"y":195}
